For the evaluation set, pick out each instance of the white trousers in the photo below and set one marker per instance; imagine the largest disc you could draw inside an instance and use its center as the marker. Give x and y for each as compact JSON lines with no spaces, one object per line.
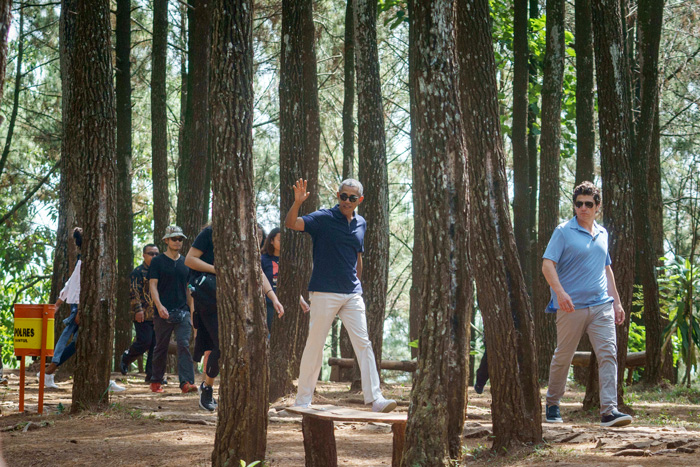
{"x":351,"y":309}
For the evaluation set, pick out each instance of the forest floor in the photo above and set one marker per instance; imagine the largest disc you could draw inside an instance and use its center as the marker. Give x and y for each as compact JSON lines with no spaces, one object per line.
{"x":145,"y":429}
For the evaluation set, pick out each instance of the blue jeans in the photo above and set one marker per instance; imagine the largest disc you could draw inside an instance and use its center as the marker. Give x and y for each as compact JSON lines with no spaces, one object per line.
{"x":65,"y":347}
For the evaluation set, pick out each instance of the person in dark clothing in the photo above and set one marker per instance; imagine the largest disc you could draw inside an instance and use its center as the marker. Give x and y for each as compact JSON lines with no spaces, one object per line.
{"x":200,"y":258}
{"x":143,"y":309}
{"x":270,"y":262}
{"x":174,"y":306}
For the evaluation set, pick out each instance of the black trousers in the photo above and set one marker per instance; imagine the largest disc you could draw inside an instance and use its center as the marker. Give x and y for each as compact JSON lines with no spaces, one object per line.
{"x":145,"y":341}
{"x":207,"y":324}
{"x":482,"y":373}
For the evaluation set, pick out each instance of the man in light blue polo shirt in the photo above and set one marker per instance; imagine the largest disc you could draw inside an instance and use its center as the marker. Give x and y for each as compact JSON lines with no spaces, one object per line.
{"x":338,"y":239}
{"x":576,"y":265}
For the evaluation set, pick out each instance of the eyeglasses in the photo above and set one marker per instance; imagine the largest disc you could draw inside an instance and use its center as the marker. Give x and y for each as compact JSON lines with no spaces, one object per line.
{"x":589,"y":204}
{"x":177,"y":239}
{"x":151,"y":253}
{"x":352,"y":198}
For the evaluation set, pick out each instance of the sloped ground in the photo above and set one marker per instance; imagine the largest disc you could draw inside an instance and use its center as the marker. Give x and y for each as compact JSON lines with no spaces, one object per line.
{"x":145,"y":429}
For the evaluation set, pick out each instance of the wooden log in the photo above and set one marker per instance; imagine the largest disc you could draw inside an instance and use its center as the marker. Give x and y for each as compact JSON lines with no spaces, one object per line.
{"x":634,"y":359}
{"x":319,"y":442}
{"x":399,"y":430}
{"x":400,"y":365}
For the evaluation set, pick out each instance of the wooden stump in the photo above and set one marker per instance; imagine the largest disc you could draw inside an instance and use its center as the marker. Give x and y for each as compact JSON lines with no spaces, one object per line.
{"x":319,"y":442}
{"x":399,"y":430}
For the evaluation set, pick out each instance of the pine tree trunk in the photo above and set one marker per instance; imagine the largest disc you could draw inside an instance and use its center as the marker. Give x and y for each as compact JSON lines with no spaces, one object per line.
{"x":553,"y":79}
{"x":5,"y":22}
{"x":372,"y":173}
{"x":125,"y":223}
{"x":194,"y":190}
{"x":438,"y":398}
{"x":532,"y":143}
{"x":299,"y":152}
{"x":93,"y":106}
{"x":159,"y":123}
{"x":650,"y":14}
{"x":516,"y":410}
{"x":614,"y":115}
{"x":585,"y":129}
{"x":241,"y":432}
{"x":521,"y":157}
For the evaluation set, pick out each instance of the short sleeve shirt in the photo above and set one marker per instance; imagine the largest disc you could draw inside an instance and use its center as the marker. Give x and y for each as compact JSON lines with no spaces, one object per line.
{"x":337,"y":243}
{"x":581,"y":258}
{"x":172,"y":280}
{"x":205,"y":243}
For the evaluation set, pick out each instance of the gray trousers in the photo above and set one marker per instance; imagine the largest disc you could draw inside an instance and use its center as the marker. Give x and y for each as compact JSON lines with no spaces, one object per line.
{"x":185,"y":367}
{"x":599,"y":322}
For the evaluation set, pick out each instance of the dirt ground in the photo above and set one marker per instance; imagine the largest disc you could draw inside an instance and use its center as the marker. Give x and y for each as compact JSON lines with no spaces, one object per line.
{"x":145,"y":429}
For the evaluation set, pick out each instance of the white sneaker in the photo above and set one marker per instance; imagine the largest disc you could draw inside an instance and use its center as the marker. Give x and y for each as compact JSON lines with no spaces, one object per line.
{"x":302,"y":406}
{"x":114,"y":387}
{"x":49,"y":382}
{"x":383,"y":405}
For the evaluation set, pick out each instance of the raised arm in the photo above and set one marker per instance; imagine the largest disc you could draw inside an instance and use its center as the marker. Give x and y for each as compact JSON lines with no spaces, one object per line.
{"x":293,"y":221}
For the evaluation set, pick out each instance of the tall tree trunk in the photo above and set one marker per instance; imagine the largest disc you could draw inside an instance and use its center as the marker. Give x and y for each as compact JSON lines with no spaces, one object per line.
{"x":125,"y":223}
{"x":18,"y":88}
{"x":650,"y":14}
{"x":516,"y":410}
{"x":69,"y":203}
{"x":94,"y":107}
{"x":415,"y":311}
{"x":299,"y":151}
{"x":438,"y":398}
{"x":241,"y":432}
{"x":5,"y":22}
{"x":373,"y":173}
{"x":521,"y":157}
{"x":193,"y":189}
{"x":553,"y":80}
{"x":159,"y":123}
{"x":585,"y":130}
{"x":346,"y":350}
{"x":183,"y":145}
{"x":614,"y":116}
{"x":532,"y":143}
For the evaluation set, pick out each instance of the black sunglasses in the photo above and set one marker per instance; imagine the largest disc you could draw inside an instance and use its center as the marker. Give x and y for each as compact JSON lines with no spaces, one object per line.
{"x":151,"y":253}
{"x":177,"y":239}
{"x":352,"y":198}
{"x":589,"y":204}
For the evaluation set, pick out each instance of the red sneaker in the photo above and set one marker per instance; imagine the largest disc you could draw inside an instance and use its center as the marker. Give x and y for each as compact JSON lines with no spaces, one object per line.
{"x":156,"y":387}
{"x":188,"y":387}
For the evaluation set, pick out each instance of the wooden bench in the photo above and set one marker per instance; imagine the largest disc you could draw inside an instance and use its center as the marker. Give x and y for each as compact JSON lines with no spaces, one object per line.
{"x":319,"y":438}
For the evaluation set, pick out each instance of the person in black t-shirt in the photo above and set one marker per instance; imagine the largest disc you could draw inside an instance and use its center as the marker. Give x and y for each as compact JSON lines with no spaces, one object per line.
{"x":174,"y":307}
{"x":200,"y":258}
{"x":270,"y":262}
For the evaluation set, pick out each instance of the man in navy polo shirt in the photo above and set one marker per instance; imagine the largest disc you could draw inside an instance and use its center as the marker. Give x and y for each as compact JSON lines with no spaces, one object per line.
{"x":338,"y":239}
{"x":576,"y":265}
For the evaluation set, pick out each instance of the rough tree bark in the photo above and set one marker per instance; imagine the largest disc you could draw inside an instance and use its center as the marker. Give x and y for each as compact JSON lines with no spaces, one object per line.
{"x":125,"y":222}
{"x":585,"y":120}
{"x":532,"y":149}
{"x":649,"y":17}
{"x":372,"y":173}
{"x":193,"y":168}
{"x":614,"y":116}
{"x":521,"y":157}
{"x":18,"y":88}
{"x":299,"y":151}
{"x":93,"y":106}
{"x":5,"y":22}
{"x":552,"y":85}
{"x":241,"y":431}
{"x":438,"y":398}
{"x":159,"y":123}
{"x":516,"y":410}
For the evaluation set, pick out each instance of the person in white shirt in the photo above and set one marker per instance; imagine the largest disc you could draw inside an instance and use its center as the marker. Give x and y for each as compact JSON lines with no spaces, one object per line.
{"x":65,"y":346}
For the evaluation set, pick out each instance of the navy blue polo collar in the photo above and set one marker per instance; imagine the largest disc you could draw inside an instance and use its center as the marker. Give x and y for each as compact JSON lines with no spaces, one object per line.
{"x":335,"y":210}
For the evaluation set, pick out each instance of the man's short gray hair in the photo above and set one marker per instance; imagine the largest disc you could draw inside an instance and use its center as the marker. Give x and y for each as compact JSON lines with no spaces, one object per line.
{"x":352,"y":183}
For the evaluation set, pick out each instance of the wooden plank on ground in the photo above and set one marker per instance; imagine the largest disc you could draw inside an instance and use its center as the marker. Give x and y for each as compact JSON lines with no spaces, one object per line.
{"x":346,"y":414}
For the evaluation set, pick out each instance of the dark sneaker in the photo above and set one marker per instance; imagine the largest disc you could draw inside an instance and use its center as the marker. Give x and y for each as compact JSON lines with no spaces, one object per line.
{"x":553,"y":415}
{"x":615,"y":418}
{"x":478,"y":388}
{"x":206,"y":397}
{"x":123,"y":366}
